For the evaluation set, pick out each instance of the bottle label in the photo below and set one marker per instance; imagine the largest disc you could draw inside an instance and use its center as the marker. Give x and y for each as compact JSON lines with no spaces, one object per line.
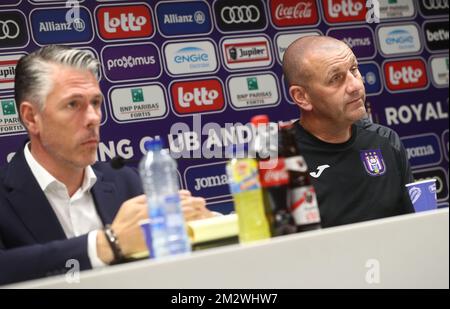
{"x":304,"y":206}
{"x":277,"y":176}
{"x":243,"y":175}
{"x":296,"y":164}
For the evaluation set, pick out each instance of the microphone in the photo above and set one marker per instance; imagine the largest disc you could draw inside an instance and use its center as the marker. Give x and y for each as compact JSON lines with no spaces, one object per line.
{"x":119,"y":162}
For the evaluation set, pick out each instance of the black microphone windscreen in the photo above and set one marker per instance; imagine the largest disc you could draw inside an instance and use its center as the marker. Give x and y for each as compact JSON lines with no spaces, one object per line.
{"x":117,"y":162}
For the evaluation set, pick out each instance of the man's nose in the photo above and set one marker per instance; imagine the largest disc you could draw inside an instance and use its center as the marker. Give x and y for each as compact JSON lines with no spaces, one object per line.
{"x":93,"y":115}
{"x":354,"y":82}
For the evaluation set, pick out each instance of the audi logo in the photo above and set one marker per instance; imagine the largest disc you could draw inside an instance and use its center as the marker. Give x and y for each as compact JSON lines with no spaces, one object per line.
{"x":9,"y":29}
{"x":240,"y":14}
{"x":435,"y":4}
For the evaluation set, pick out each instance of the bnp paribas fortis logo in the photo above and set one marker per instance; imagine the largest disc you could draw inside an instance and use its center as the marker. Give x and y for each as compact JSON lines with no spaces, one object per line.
{"x":8,"y":107}
{"x":252,"y":83}
{"x":137,"y":95}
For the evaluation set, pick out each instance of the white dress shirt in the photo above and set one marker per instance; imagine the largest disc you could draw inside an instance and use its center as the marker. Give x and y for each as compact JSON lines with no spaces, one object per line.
{"x":77,"y":214}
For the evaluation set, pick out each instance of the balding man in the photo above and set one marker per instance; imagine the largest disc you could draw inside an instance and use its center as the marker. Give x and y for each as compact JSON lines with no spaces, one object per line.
{"x":359,"y":169}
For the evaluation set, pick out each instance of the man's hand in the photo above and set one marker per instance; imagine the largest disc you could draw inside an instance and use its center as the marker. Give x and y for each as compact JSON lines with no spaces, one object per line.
{"x":194,"y":208}
{"x":127,"y":229}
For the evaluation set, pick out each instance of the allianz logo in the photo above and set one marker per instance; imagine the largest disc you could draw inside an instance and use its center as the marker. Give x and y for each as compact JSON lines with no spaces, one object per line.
{"x":370,"y":78}
{"x":130,"y":62}
{"x":51,"y":26}
{"x":211,"y":181}
{"x":191,"y":55}
{"x":435,"y":4}
{"x":198,"y":17}
{"x":399,"y":37}
{"x":355,"y":42}
{"x":420,"y":151}
{"x":438,"y":35}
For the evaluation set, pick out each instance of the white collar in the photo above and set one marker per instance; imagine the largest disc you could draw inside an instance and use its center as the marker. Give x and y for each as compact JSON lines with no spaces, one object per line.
{"x":45,"y":179}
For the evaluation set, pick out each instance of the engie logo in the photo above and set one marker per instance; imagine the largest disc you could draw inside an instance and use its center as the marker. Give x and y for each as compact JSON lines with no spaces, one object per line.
{"x":191,"y":57}
{"x":284,"y":40}
{"x":253,"y":91}
{"x":186,"y":18}
{"x":396,"y":9}
{"x":13,"y":29}
{"x":434,"y":7}
{"x":128,"y":62}
{"x":124,"y":22}
{"x":135,"y":103}
{"x":292,"y":13}
{"x":439,"y":70}
{"x":50,"y":26}
{"x":399,"y":39}
{"x":9,"y":118}
{"x":360,"y":40}
{"x":240,"y":16}
{"x":246,"y":52}
{"x":371,"y":77}
{"x":441,"y":180}
{"x":405,"y":74}
{"x":199,"y":96}
{"x":8,"y":70}
{"x":436,"y":35}
{"x":423,"y":149}
{"x":344,"y":11}
{"x":207,"y":180}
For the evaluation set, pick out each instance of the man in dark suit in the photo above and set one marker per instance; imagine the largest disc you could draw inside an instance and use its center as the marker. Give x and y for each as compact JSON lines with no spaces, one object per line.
{"x":56,"y":203}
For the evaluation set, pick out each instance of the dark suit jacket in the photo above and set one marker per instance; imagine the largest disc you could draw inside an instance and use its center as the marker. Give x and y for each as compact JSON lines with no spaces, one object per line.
{"x":32,"y":241}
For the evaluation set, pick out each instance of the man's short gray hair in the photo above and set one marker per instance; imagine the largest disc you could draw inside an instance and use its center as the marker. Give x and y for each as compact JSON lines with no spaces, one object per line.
{"x":33,"y":71}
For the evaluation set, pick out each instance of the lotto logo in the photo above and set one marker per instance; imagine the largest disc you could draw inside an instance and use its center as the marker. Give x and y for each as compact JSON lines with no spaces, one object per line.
{"x":197,"y":96}
{"x":405,"y":74}
{"x":124,"y":22}
{"x":341,"y":11}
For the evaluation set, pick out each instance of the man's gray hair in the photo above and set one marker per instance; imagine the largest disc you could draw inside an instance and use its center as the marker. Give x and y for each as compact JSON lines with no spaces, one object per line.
{"x":33,"y":72}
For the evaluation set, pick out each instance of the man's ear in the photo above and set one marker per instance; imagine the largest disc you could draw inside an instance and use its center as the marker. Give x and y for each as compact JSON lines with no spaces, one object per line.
{"x":300,"y":97}
{"x":29,"y":115}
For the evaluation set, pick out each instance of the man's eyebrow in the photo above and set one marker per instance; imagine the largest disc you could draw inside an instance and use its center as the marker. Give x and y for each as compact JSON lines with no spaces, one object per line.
{"x":79,"y":95}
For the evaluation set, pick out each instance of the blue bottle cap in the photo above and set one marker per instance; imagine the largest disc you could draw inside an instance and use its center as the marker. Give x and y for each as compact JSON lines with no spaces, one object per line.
{"x":153,"y":145}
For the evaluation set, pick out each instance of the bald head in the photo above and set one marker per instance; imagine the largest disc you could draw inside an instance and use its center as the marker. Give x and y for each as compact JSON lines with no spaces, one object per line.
{"x":297,"y":66}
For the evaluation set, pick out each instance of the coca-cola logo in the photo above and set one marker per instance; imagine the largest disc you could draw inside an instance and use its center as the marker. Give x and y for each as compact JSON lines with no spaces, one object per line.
{"x":405,"y":74}
{"x":343,"y":11}
{"x":277,"y":175}
{"x":289,"y":13}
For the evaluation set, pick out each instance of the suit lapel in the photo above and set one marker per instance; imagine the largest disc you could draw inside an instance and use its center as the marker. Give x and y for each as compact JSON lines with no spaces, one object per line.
{"x":105,"y":198}
{"x":30,"y":202}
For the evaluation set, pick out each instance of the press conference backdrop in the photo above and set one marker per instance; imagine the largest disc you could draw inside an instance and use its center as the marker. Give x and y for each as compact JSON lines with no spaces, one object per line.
{"x":195,"y":72}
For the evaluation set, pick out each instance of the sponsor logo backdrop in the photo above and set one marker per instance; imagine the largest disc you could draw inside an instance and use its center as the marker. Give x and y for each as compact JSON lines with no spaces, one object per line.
{"x":195,"y":72}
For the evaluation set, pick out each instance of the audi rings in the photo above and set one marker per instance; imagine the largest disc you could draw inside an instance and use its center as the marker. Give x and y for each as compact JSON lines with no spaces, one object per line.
{"x":240,"y":14}
{"x":9,"y":29}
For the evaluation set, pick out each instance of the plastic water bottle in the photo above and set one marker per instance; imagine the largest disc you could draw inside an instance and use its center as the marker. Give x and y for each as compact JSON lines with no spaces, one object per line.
{"x":159,"y":178}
